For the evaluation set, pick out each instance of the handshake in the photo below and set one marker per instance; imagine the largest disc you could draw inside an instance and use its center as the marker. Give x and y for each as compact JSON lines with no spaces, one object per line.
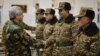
{"x":39,"y":44}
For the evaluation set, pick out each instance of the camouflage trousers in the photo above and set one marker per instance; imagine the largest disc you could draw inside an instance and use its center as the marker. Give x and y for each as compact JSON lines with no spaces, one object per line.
{"x":19,"y":52}
{"x":63,"y":51}
{"x":12,"y":54}
{"x":48,"y":51}
{"x":83,"y":52}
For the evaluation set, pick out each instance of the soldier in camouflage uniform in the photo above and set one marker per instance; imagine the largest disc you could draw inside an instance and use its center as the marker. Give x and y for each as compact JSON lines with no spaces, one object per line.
{"x":51,"y":20}
{"x":62,"y":37}
{"x":15,"y":39}
{"x":87,"y":41}
{"x":40,"y":19}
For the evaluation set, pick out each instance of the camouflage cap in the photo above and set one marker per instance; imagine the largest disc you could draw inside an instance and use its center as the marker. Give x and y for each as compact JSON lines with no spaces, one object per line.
{"x":87,"y":12}
{"x":50,"y":11}
{"x":40,"y":11}
{"x":64,"y":5}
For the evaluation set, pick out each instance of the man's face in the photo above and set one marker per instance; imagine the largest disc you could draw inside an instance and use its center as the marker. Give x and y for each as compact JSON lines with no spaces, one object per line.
{"x":39,"y":16}
{"x":19,"y":17}
{"x":48,"y":16}
{"x":63,"y":13}
{"x":84,"y":20}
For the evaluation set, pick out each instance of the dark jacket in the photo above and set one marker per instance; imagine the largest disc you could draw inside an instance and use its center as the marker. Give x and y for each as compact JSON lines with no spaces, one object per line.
{"x":68,"y":20}
{"x":52,"y":21}
{"x":91,"y":30}
{"x":42,"y":21}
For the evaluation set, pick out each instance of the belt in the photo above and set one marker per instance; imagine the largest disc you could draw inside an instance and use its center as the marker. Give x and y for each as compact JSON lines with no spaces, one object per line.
{"x":62,"y":44}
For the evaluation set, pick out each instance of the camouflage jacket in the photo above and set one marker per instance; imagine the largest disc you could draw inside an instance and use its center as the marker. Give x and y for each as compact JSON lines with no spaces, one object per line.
{"x":39,"y":28}
{"x":63,"y":31}
{"x":62,"y":37}
{"x":17,"y":42}
{"x":48,"y":30}
{"x":49,"y":26}
{"x":87,"y":41}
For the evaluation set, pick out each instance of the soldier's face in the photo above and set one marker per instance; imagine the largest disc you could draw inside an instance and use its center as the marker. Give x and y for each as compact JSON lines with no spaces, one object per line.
{"x":39,"y":16}
{"x":19,"y":17}
{"x":63,"y":13}
{"x":84,"y":21}
{"x":48,"y":16}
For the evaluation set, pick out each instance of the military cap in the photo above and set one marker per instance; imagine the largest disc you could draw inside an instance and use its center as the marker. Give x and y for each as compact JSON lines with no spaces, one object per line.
{"x":40,"y":11}
{"x":64,"y":5}
{"x":87,"y":12}
{"x":50,"y":11}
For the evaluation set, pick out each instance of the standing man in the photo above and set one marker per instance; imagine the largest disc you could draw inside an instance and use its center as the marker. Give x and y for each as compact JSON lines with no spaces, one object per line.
{"x":87,"y":41}
{"x":51,"y":20}
{"x":62,"y":37}
{"x":16,"y":41}
{"x":40,"y":19}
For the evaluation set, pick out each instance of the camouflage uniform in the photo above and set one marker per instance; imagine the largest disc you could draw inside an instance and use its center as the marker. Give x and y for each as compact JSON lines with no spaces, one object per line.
{"x":87,"y":41}
{"x":48,"y":30}
{"x":39,"y":28}
{"x":40,"y":24}
{"x":86,"y":45}
{"x":62,"y":37}
{"x":16,"y":41}
{"x":39,"y":35}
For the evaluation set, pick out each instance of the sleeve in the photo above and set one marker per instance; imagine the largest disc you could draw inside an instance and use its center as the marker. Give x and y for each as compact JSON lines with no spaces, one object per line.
{"x":39,"y":31}
{"x":10,"y":36}
{"x":28,"y":27}
{"x":50,"y":41}
{"x":27,"y":39}
{"x":95,"y":45}
{"x":4,"y":32}
{"x":74,"y":30}
{"x":30,"y":41}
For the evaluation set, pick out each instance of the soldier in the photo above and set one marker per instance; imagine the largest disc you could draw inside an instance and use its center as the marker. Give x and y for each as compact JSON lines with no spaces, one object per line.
{"x":51,"y":20}
{"x":16,"y":41}
{"x":87,"y":41}
{"x":40,"y":23}
{"x":61,"y":37}
{"x":40,"y":27}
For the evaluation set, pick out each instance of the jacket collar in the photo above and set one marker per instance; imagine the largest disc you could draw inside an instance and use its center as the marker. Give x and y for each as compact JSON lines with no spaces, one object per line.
{"x":68,"y":20}
{"x":91,"y":30}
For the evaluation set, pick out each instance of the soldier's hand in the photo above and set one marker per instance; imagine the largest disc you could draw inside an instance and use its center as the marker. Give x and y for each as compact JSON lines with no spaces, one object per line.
{"x":45,"y":45}
{"x":39,"y":44}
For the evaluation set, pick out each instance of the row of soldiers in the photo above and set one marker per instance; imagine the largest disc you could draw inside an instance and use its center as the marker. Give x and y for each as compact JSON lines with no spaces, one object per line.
{"x":63,"y":37}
